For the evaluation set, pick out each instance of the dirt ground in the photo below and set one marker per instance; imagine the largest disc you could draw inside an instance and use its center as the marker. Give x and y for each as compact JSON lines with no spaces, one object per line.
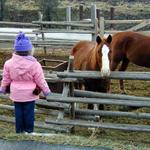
{"x":118,"y":140}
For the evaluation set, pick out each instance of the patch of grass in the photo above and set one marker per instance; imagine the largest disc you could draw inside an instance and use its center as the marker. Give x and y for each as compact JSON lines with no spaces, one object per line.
{"x":98,"y":140}
{"x":117,"y":140}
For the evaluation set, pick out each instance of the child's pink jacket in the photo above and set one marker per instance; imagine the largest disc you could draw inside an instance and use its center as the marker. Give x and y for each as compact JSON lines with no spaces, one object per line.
{"x":23,"y":73}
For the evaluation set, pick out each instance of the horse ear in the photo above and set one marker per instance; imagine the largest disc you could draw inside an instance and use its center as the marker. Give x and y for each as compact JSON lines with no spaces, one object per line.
{"x":109,"y":39}
{"x":98,"y":39}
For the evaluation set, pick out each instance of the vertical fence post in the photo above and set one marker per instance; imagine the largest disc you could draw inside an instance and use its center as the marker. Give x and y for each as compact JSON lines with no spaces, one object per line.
{"x":41,"y":28}
{"x":68,"y":16}
{"x":94,"y":21}
{"x":112,"y":10}
{"x":1,"y":10}
{"x":98,"y":16}
{"x":102,"y":26}
{"x":81,"y":12}
{"x":70,"y":69}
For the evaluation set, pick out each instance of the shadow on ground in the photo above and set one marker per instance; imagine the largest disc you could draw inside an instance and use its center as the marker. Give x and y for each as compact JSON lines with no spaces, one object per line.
{"x":32,"y":145}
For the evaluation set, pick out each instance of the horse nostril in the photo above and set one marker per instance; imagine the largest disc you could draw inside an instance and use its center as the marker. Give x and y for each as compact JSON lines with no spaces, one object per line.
{"x":105,"y":72}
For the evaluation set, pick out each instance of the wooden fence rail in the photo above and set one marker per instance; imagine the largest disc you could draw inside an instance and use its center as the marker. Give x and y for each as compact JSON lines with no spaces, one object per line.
{"x":24,"y":24}
{"x":140,"y":24}
{"x":97,"y":98}
{"x":107,"y":99}
{"x":113,"y":75}
{"x":93,"y":26}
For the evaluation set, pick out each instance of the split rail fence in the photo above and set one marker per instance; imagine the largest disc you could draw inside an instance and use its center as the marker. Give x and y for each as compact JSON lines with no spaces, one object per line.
{"x":64,"y":103}
{"x":93,"y":26}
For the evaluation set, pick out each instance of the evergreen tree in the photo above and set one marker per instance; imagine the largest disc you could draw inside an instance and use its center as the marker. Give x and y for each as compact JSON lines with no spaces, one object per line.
{"x":2,"y":3}
{"x":48,"y":8}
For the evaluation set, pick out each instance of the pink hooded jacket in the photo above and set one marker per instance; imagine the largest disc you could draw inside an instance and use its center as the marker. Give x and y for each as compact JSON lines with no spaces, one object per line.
{"x":23,"y":74}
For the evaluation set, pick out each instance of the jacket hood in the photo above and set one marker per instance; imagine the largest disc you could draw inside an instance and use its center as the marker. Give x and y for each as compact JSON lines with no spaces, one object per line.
{"x":22,"y":64}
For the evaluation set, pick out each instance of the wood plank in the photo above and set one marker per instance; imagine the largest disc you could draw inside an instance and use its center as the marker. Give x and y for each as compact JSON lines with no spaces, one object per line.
{"x":126,"y":127}
{"x":114,"y":75}
{"x":18,"y":23}
{"x":122,"y":21}
{"x":98,"y":101}
{"x":65,"y":23}
{"x":135,"y":115}
{"x":139,"y":26}
{"x":51,"y":105}
{"x":64,"y":31}
{"x":90,"y":94}
{"x":116,"y":31}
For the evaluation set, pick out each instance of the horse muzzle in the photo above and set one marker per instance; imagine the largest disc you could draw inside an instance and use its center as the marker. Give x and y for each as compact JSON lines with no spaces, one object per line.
{"x":105,"y":72}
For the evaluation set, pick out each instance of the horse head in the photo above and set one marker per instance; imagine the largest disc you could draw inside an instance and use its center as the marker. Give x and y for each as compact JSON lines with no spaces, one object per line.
{"x":103,"y":54}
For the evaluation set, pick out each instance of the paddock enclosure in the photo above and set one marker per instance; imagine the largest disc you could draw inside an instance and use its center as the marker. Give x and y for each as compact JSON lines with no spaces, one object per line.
{"x":65,"y":100}
{"x":58,"y":111}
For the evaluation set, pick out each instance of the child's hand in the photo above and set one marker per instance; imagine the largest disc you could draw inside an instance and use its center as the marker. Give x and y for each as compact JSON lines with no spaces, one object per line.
{"x":1,"y":91}
{"x":42,"y":96}
{"x":37,"y":91}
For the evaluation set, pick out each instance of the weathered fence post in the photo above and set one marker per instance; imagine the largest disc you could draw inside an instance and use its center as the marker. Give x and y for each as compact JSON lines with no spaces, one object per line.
{"x":112,"y":10}
{"x":94,"y":21}
{"x":98,"y":17}
{"x":41,"y":27}
{"x":71,"y":85}
{"x":1,"y":10}
{"x":102,"y":26}
{"x":81,"y":12}
{"x":68,"y":16}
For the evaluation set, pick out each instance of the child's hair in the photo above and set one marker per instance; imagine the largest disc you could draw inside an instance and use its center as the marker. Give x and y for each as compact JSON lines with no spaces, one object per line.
{"x":23,"y":53}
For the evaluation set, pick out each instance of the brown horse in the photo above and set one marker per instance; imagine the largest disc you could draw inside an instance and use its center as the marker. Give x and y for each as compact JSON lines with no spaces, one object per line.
{"x":129,"y":47}
{"x":93,"y":56}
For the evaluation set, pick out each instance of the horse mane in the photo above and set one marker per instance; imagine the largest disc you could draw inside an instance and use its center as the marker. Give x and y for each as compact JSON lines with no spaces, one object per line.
{"x":78,"y":45}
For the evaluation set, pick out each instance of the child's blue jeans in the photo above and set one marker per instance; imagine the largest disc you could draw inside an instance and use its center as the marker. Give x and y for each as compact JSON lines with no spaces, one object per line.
{"x":24,"y":115}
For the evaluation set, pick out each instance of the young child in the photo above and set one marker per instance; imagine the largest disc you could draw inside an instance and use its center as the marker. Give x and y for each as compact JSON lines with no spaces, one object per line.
{"x":24,"y":75}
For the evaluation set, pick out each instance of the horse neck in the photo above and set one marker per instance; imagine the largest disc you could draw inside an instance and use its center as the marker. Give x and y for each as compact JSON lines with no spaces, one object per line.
{"x":93,"y":57}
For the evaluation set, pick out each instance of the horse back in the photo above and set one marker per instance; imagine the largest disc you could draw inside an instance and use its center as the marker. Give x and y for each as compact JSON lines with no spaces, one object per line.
{"x":125,"y":40}
{"x":133,"y":46}
{"x":82,"y":47}
{"x":81,"y":51}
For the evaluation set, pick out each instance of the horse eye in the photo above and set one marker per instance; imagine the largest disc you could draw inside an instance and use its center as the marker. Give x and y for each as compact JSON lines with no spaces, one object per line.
{"x":99,"y":51}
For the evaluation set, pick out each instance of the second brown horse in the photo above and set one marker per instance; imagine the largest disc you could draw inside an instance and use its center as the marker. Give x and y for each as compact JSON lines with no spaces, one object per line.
{"x":129,"y":47}
{"x":93,"y":56}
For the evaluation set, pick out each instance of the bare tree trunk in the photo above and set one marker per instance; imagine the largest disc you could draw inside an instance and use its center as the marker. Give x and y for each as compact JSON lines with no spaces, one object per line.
{"x":1,"y":10}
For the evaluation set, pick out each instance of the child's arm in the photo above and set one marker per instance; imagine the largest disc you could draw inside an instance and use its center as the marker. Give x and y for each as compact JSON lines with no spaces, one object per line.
{"x":40,"y":79}
{"x":6,"y":80}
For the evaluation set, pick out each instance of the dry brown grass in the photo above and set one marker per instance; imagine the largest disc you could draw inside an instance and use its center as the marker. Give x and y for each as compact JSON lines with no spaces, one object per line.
{"x":118,"y":140}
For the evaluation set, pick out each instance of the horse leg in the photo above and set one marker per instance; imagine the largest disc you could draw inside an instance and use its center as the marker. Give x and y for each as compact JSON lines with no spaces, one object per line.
{"x":113,"y":65}
{"x":123,"y":67}
{"x":80,"y":87}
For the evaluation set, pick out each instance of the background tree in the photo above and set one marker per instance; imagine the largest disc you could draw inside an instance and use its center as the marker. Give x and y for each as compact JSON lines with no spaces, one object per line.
{"x":48,"y":8}
{"x":2,"y":4}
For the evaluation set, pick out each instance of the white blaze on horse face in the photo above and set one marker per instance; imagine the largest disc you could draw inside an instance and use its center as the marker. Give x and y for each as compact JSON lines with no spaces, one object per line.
{"x":105,"y":70}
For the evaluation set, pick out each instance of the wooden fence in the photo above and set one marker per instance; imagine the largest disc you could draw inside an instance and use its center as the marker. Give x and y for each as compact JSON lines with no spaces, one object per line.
{"x":65,"y":102}
{"x":92,"y":26}
{"x":39,"y":38}
{"x":103,"y":98}
{"x":140,"y":24}
{"x":68,"y":26}
{"x":85,"y":97}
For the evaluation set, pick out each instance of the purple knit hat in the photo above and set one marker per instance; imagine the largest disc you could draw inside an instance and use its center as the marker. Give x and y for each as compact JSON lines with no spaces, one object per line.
{"x":22,"y":43}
